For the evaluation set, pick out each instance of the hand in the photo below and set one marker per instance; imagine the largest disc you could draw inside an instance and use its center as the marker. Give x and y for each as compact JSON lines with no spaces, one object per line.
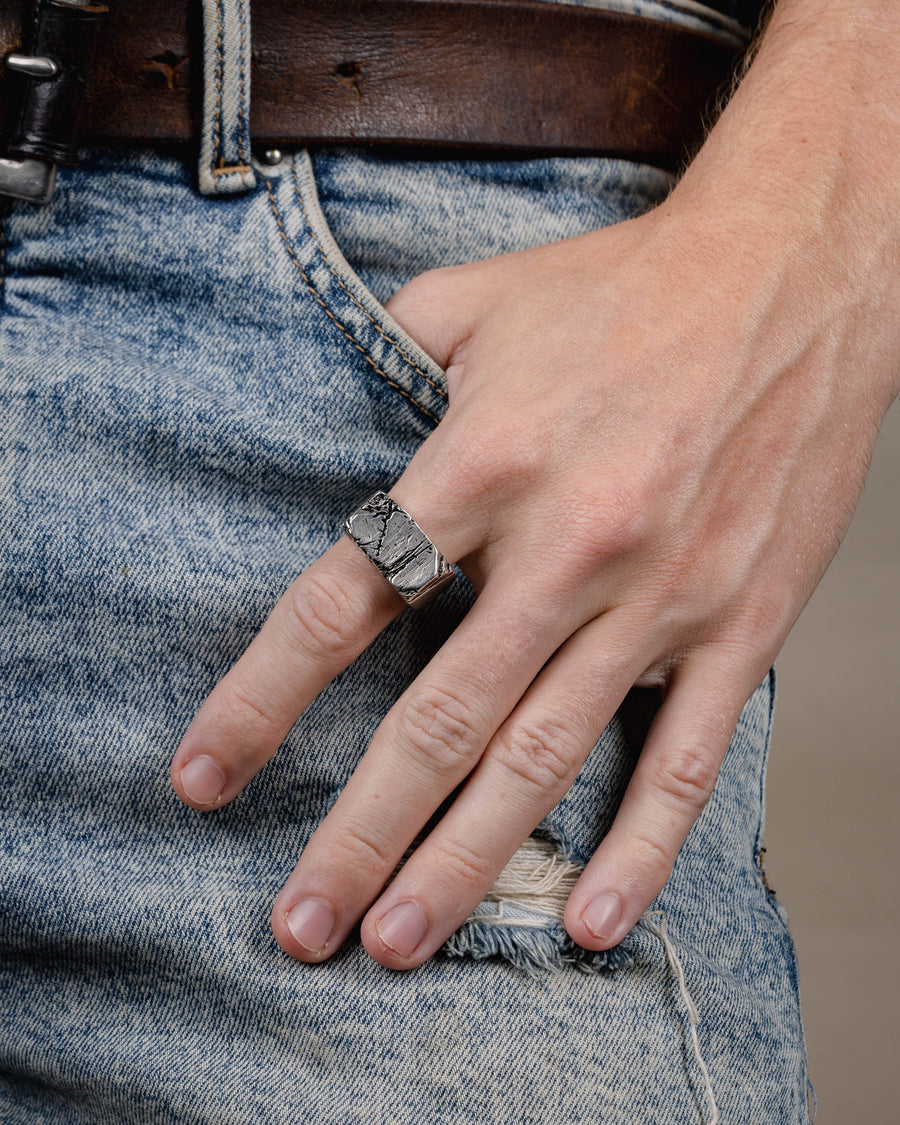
{"x":652,"y":450}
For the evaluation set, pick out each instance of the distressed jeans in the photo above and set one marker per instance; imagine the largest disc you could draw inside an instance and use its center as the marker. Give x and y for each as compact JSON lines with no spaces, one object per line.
{"x":196,"y":388}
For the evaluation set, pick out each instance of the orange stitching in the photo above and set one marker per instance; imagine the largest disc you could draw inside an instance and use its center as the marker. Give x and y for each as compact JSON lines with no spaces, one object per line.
{"x":354,"y":299}
{"x":242,"y":167}
{"x":216,"y":128}
{"x":227,"y":169}
{"x":309,"y":284}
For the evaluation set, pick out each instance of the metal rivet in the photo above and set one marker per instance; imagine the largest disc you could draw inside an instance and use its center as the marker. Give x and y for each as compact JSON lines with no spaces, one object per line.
{"x":272,"y":156}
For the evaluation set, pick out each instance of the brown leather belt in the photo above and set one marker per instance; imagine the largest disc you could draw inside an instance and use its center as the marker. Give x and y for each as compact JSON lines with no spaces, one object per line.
{"x":512,"y":76}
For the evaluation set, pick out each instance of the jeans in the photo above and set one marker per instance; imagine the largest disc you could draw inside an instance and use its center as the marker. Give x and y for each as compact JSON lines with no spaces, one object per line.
{"x":196,"y":390}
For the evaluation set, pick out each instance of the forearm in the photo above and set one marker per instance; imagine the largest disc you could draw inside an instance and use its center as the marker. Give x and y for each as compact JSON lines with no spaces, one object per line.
{"x":805,"y":160}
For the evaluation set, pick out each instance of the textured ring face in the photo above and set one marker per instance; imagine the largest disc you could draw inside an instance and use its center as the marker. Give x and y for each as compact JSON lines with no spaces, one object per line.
{"x":400,"y":549}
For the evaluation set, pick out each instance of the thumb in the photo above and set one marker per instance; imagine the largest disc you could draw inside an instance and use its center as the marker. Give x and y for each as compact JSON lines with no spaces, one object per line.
{"x":438,"y":309}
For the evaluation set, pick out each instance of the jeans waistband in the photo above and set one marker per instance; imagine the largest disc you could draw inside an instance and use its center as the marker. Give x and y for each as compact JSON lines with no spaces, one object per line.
{"x":521,"y":77}
{"x":603,"y":78}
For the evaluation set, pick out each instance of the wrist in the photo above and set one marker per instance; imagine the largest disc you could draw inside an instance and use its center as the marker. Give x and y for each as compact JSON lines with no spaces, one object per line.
{"x":798,"y":185}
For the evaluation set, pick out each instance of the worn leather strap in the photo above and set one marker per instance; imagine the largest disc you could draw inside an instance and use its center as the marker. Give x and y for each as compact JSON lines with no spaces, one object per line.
{"x":512,"y":76}
{"x":47,"y":125}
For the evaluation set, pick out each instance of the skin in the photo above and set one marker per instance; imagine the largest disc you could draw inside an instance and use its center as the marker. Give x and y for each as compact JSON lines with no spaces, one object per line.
{"x":697,"y":392}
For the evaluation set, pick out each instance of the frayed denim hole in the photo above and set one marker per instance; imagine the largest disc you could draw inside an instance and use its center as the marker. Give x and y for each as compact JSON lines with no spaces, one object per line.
{"x":520,"y":919}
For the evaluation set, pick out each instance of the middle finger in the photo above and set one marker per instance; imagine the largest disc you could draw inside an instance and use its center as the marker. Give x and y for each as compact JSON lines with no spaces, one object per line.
{"x":428,"y":743}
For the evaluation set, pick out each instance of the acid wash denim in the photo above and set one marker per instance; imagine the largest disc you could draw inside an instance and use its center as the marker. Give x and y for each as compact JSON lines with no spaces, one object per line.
{"x":195,"y":390}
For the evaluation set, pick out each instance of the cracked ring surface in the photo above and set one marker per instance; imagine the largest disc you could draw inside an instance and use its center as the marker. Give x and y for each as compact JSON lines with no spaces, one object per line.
{"x":389,"y":536}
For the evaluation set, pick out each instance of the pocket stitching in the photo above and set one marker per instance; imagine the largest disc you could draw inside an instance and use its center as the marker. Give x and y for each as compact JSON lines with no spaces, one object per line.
{"x":334,"y":273}
{"x":344,"y":330}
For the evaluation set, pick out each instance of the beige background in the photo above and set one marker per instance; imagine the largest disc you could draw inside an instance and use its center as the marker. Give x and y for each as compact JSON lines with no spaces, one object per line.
{"x":833,"y":829}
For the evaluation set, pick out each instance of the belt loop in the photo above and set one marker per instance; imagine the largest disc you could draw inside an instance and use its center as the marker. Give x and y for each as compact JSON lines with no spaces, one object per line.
{"x":225,"y":145}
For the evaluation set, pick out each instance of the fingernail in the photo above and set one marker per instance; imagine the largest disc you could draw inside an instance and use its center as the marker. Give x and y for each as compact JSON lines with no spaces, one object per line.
{"x":403,"y":928}
{"x":602,"y":915}
{"x":202,"y":780}
{"x":311,"y":922}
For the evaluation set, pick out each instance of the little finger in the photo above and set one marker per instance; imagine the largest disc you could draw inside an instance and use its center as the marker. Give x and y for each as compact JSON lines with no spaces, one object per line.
{"x":672,"y":782}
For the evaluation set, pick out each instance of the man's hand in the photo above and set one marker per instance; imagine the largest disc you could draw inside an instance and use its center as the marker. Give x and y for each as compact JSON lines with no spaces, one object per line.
{"x":656,"y":438}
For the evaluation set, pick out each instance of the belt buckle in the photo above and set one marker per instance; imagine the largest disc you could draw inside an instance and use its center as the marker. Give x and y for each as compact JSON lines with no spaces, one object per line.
{"x":66,"y":28}
{"x":29,"y":178}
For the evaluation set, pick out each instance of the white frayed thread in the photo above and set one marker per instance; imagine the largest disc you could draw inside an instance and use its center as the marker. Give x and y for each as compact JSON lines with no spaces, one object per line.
{"x":659,"y":929}
{"x":537,"y":877}
{"x":500,"y":919}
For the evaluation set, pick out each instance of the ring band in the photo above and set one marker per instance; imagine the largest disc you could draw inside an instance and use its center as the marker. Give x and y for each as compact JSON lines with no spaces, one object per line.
{"x":391,"y":538}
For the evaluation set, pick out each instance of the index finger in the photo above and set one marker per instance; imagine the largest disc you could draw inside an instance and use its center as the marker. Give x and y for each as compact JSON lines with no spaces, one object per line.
{"x":324,"y":620}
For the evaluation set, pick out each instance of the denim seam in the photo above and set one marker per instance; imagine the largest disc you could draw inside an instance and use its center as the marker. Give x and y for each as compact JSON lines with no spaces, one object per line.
{"x":343,"y":329}
{"x":354,"y":299}
{"x":217,"y":133}
{"x":769,"y":897}
{"x":758,"y":849}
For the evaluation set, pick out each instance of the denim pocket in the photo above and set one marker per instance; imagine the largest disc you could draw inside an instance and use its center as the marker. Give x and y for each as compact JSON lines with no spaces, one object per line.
{"x":357,"y":225}
{"x":355,"y":313}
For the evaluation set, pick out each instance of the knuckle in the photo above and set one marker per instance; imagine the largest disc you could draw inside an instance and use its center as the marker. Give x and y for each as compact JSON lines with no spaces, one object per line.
{"x":767,"y":613}
{"x":462,"y":865}
{"x":682,"y":591}
{"x":243,"y":712}
{"x":323,"y":615}
{"x":688,"y":775}
{"x":439,"y":727}
{"x":650,"y":860}
{"x":540,"y":753}
{"x":359,"y":851}
{"x":491,"y":460}
{"x":605,"y":522}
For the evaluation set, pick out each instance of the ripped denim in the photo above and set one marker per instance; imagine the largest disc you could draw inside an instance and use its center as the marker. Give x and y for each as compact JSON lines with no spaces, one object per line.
{"x":196,"y":389}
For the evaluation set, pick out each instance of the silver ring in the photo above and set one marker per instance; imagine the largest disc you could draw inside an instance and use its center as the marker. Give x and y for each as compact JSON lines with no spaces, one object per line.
{"x":401,"y":550}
